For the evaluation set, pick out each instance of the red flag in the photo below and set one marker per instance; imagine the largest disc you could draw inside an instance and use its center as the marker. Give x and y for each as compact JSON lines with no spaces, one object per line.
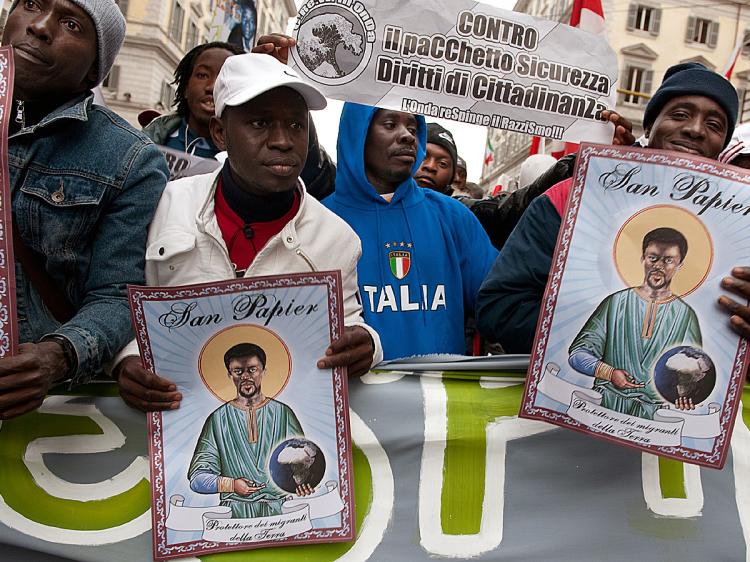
{"x":587,"y":15}
{"x":557,"y":149}
{"x":489,"y":151}
{"x":729,"y":68}
{"x":534,"y":148}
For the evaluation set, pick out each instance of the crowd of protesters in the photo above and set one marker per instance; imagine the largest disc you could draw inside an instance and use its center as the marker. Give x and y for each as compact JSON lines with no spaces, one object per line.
{"x":94,"y":211}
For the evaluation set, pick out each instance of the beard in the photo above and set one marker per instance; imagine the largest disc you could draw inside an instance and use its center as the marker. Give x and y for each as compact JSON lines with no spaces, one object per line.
{"x":656,"y":279}
{"x":247,"y":390}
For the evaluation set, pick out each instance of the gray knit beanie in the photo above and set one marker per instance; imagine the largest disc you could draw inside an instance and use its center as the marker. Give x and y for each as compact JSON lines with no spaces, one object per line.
{"x":110,"y":31}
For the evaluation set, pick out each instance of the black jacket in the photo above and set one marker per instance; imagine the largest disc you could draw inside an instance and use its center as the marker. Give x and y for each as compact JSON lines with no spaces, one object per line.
{"x":499,"y":215}
{"x":319,"y":173}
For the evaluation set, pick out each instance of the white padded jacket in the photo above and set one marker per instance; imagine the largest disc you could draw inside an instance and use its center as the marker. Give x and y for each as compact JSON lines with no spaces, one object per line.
{"x":185,"y":246}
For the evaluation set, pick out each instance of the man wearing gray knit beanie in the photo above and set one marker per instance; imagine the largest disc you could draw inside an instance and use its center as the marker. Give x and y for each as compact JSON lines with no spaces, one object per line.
{"x":85,"y":186}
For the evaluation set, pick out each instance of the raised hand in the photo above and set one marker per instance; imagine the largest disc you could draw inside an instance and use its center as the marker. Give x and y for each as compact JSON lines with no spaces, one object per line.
{"x":277,"y":45}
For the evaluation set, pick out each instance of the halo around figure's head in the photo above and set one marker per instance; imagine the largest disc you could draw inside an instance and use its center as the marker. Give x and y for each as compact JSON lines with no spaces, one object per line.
{"x":628,"y":246}
{"x":211,"y":360}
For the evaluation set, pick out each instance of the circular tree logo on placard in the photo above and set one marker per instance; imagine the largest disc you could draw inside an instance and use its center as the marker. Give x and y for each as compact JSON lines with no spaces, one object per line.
{"x":334,"y":40}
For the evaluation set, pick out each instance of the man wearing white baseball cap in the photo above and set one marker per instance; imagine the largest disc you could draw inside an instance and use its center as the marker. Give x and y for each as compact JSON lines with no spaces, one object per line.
{"x":252,"y":217}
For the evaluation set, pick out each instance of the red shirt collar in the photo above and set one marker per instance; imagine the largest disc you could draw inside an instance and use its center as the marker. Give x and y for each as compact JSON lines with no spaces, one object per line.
{"x":242,"y":250}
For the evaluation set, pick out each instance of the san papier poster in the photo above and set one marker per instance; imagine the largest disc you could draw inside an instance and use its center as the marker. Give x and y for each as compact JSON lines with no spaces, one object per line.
{"x":8,"y":313}
{"x":259,"y":452}
{"x":460,"y":60}
{"x":631,"y":345}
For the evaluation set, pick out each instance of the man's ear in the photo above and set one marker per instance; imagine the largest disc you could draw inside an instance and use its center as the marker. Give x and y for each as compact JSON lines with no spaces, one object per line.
{"x":647,"y":132}
{"x":92,"y":75}
{"x":218,"y":132}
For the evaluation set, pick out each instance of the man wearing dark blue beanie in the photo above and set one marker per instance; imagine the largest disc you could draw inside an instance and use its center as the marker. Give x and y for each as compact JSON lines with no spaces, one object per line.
{"x":694,"y":79}
{"x":694,"y":111}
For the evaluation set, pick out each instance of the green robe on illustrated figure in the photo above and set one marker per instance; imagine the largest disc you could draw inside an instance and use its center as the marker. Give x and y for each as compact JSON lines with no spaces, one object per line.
{"x":630,"y":333}
{"x":237,"y":443}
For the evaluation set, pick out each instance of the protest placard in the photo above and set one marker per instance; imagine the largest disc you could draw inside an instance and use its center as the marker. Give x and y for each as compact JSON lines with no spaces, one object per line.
{"x":259,"y":452}
{"x":183,"y":165}
{"x":631,"y":345}
{"x":460,"y":60}
{"x":234,"y":21}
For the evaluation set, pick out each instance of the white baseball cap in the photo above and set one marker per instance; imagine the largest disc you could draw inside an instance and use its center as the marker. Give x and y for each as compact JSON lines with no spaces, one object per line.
{"x":245,"y":77}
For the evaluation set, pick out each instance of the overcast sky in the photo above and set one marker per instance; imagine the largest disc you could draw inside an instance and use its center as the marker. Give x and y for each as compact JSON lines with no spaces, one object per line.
{"x":470,"y":139}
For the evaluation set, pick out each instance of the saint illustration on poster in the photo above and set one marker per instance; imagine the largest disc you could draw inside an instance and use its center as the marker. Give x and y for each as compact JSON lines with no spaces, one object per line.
{"x":233,"y":452}
{"x":258,"y":454}
{"x":631,"y":346}
{"x":632,"y":329}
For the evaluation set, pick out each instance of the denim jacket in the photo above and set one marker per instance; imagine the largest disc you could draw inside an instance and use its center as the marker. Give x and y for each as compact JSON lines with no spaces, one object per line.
{"x":85,"y":186}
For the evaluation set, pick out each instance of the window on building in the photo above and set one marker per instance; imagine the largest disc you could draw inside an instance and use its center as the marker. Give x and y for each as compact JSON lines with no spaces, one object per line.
{"x":123,"y":4}
{"x":167,"y":94}
{"x":113,"y":79}
{"x":192,"y":36}
{"x":644,"y":18}
{"x":636,"y":80}
{"x":746,"y":43}
{"x":175,"y":26}
{"x":702,"y":31}
{"x":744,"y":96}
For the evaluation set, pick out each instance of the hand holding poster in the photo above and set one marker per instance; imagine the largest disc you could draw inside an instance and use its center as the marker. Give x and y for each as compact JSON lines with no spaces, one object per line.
{"x":631,"y":345}
{"x":460,"y":60}
{"x":259,"y":452}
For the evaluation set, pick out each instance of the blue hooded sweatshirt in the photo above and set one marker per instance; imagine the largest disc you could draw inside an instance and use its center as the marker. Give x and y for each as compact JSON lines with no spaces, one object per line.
{"x":424,"y":255}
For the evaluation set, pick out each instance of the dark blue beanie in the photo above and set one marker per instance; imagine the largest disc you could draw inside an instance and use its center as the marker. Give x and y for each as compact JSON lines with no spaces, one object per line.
{"x":694,"y":79}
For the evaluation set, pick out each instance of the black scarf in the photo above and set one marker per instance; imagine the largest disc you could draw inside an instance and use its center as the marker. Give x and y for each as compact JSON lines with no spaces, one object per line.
{"x":254,"y":208}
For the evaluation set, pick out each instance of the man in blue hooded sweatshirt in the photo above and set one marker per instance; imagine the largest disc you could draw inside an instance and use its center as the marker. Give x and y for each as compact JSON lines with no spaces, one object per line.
{"x":424,"y":255}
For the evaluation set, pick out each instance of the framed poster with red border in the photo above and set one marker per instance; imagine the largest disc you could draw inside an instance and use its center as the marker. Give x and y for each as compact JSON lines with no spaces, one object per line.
{"x":631,"y":345}
{"x":8,"y":313}
{"x":259,"y":452}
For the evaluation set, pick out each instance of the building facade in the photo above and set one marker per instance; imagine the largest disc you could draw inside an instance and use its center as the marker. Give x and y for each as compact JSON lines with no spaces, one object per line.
{"x":648,"y":36}
{"x":159,"y":33}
